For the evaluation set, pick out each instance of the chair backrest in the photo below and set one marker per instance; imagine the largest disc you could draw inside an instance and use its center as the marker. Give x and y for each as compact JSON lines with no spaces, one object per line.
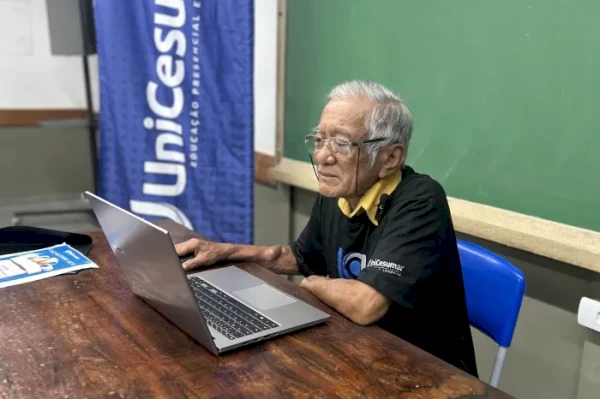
{"x":494,"y":290}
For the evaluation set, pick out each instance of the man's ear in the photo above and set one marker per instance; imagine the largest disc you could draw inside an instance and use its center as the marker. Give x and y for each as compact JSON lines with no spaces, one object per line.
{"x":393,"y":158}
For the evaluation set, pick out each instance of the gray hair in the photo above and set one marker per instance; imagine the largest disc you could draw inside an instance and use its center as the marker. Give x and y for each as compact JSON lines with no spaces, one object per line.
{"x":390,"y":118}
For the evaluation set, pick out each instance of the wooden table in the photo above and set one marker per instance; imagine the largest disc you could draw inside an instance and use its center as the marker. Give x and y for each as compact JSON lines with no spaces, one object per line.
{"x":87,"y":336}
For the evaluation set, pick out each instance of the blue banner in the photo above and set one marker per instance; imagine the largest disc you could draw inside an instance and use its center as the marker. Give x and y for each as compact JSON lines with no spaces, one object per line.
{"x":176,"y":112}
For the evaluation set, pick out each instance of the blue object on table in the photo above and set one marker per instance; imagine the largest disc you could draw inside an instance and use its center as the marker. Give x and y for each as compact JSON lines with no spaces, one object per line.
{"x":494,"y":290}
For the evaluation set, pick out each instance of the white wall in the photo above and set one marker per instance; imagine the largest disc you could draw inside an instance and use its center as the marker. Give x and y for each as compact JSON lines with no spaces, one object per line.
{"x":265,"y":75}
{"x":30,"y":77}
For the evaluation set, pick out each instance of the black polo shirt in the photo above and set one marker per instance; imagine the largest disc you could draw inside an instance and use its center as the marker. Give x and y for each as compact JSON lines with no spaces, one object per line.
{"x":411,"y":257}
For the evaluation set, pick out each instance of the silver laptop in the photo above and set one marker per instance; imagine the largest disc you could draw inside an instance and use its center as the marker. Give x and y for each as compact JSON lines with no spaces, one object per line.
{"x":222,"y":308}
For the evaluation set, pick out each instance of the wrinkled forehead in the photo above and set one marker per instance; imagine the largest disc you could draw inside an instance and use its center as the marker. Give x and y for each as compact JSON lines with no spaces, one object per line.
{"x":345,"y":117}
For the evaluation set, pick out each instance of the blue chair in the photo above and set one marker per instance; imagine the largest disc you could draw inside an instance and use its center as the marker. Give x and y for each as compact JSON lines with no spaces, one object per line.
{"x":494,"y":290}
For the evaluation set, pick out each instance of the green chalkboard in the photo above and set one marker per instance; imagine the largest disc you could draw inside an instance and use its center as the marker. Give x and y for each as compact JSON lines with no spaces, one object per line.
{"x":505,"y":93}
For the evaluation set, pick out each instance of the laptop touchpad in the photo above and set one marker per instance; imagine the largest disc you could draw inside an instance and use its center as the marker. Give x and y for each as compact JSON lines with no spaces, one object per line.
{"x":263,"y":297}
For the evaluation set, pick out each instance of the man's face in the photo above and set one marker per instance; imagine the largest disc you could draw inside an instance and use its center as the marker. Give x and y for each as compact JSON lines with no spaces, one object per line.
{"x":337,"y":172}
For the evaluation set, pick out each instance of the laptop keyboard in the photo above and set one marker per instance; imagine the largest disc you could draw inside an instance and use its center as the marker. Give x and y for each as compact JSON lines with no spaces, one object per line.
{"x":226,"y":314}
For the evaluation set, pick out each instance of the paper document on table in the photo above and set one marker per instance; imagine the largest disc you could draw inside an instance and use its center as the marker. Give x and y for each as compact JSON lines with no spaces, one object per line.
{"x":24,"y":267}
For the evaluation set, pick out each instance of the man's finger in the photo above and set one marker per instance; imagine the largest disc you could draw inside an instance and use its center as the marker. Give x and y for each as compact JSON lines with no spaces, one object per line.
{"x":193,"y":263}
{"x":186,"y":247}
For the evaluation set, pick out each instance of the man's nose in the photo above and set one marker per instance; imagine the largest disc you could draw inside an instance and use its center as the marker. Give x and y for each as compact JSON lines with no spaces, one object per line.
{"x":324,"y":155}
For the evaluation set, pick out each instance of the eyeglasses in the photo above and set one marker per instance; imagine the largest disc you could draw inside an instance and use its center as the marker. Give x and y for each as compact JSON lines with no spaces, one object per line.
{"x":336,"y":145}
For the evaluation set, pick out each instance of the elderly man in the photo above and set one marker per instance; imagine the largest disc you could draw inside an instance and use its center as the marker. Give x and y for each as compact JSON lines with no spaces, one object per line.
{"x":379,"y":246}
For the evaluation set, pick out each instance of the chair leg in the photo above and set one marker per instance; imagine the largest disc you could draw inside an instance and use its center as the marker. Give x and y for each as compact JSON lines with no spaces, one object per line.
{"x":498,"y":364}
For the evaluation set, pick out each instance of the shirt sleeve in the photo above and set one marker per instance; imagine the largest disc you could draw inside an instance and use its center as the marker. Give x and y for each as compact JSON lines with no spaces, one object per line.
{"x":409,"y":251}
{"x":308,"y":248}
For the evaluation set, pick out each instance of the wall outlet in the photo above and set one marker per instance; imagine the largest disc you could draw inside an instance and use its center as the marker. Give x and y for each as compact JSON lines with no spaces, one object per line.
{"x":589,"y":313}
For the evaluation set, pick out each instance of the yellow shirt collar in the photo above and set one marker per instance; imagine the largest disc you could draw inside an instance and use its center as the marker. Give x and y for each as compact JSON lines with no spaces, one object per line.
{"x":370,"y":200}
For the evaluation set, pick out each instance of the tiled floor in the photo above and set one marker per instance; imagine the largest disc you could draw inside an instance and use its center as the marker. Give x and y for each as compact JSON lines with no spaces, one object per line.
{"x":72,"y":222}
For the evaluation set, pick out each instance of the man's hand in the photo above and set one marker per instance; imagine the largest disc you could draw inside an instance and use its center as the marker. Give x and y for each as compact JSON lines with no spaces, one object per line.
{"x":206,"y":253}
{"x":277,"y":258}
{"x":356,"y":300}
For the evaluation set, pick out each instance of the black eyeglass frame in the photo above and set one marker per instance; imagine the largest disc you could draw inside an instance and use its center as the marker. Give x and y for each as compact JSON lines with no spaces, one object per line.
{"x":354,"y":143}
